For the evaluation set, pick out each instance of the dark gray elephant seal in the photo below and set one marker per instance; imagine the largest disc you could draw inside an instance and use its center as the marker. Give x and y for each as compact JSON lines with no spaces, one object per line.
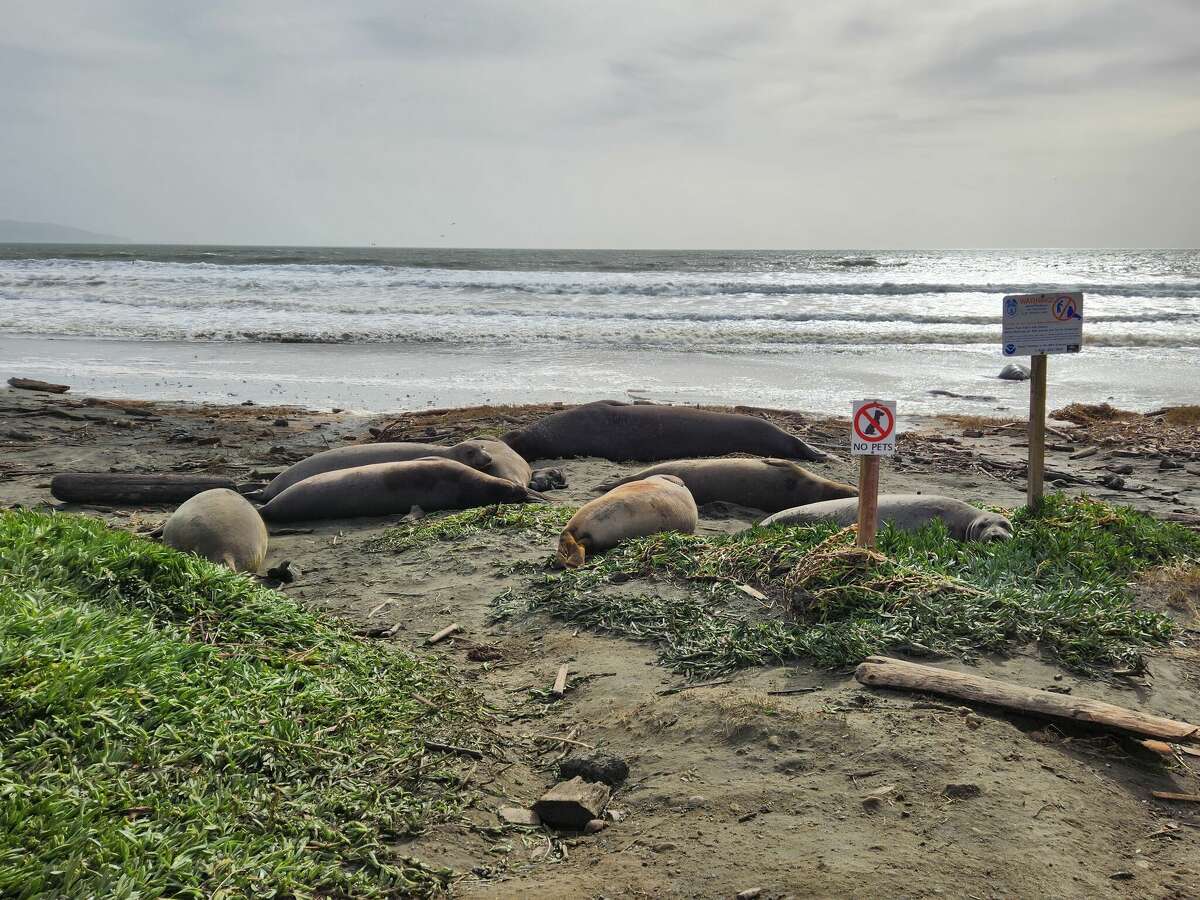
{"x":622,"y":431}
{"x":658,"y":503}
{"x":469,"y":453}
{"x":766,"y":484}
{"x":385,"y":489}
{"x":908,"y":512}
{"x":222,"y":526}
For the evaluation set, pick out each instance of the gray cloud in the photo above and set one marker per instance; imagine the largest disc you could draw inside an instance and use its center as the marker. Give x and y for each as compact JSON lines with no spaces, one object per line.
{"x":673,"y":123}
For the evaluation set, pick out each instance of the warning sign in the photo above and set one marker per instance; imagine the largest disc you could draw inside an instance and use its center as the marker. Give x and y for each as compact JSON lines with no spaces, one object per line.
{"x":874,"y":428}
{"x":1042,"y":323}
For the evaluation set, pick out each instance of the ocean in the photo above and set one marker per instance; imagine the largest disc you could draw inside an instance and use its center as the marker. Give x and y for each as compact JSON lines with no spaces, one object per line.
{"x":384,"y":329}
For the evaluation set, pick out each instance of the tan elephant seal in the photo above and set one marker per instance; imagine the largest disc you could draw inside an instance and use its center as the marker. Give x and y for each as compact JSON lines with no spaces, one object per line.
{"x":766,"y":484}
{"x":222,"y":526}
{"x":503,"y":461}
{"x":620,"y":431}
{"x":658,"y":503}
{"x":908,"y":512}
{"x":469,"y":453}
{"x":385,"y":489}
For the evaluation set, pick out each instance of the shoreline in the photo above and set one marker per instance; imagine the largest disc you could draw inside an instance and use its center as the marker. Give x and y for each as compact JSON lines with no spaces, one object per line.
{"x":374,"y":378}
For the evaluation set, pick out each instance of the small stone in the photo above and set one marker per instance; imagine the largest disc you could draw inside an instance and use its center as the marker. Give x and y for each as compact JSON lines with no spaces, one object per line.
{"x":1168,"y":464}
{"x":695,"y":801}
{"x":517,"y":815}
{"x":595,"y":826}
{"x":665,"y":847}
{"x":961,"y":791}
{"x":1122,"y":469}
{"x":602,"y":767}
{"x":280,"y":423}
{"x":573,"y":803}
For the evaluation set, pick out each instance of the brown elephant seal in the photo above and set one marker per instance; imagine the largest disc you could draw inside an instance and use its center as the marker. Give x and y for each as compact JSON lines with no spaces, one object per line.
{"x":908,"y":512}
{"x":469,"y":453}
{"x":222,"y":526}
{"x":621,"y":431}
{"x":503,"y":461}
{"x":658,"y":503}
{"x":766,"y":484}
{"x":384,"y":489}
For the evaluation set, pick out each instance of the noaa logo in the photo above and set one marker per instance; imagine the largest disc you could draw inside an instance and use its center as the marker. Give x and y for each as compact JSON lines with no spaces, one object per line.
{"x":1010,"y":307}
{"x":1010,"y":349}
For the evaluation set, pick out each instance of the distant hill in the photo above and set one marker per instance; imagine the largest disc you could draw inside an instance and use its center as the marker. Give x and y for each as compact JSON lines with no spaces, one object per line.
{"x":14,"y":232}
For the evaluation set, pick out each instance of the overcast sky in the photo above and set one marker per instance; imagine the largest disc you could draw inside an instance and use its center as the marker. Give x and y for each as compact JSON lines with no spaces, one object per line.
{"x":647,"y":123}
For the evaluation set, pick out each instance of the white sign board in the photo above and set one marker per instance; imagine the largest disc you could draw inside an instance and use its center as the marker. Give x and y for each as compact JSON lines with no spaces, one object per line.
{"x":873,"y":428}
{"x":1042,"y":323}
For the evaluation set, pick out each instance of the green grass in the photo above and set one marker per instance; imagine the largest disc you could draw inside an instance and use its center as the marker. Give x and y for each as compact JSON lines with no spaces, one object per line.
{"x":1064,"y":581}
{"x":169,"y":728}
{"x":539,"y":520}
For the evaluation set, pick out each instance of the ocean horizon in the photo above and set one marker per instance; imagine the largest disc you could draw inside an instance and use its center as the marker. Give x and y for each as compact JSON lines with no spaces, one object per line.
{"x":384,"y":328}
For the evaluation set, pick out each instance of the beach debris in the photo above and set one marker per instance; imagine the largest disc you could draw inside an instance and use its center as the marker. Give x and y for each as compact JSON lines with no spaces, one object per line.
{"x":485,"y":653}
{"x":132,"y":489}
{"x":518,"y":815}
{"x":560,"y":681}
{"x":1172,"y":795}
{"x":443,"y":634}
{"x":879,"y":671}
{"x":1085,"y":452}
{"x":572,"y":804}
{"x":285,"y":573}
{"x":32,"y":384}
{"x":1014,"y":372}
{"x":601,"y":767}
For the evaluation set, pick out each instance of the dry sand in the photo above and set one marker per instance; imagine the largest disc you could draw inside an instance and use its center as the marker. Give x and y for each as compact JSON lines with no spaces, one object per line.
{"x":731,"y":788}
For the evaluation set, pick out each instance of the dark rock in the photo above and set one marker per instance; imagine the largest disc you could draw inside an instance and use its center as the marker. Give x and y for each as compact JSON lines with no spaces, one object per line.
{"x":1168,"y":464}
{"x":596,"y":767}
{"x":1123,"y":469}
{"x":961,"y":791}
{"x":1115,"y":482}
{"x":572,"y":804}
{"x":280,"y":423}
{"x":1015,"y":372}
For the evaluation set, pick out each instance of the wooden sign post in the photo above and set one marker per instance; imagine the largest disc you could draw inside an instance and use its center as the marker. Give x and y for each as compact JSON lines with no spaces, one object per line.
{"x":872,"y":435}
{"x":1036,"y":325}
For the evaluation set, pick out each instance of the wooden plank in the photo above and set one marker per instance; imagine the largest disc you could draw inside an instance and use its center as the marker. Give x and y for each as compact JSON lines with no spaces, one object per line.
{"x":868,"y":501}
{"x":32,"y":384}
{"x":560,"y":681}
{"x":879,"y":671}
{"x":444,"y":633}
{"x":132,"y":489}
{"x":1037,"y":431}
{"x":1172,"y":795}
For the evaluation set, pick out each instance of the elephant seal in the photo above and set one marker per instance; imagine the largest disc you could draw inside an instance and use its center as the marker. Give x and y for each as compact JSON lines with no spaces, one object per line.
{"x":621,"y":431}
{"x":469,"y":453}
{"x":222,"y":526}
{"x":908,"y":512}
{"x":503,"y":461}
{"x":766,"y":484}
{"x":658,"y":503}
{"x":384,"y":489}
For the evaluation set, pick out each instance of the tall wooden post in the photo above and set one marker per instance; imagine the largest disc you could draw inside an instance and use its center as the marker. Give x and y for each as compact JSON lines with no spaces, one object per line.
{"x":868,"y":500}
{"x":1037,"y":431}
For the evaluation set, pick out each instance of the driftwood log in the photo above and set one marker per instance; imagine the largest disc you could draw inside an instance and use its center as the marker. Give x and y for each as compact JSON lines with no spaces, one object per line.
{"x":32,"y":384}
{"x":879,"y":671}
{"x":132,"y":490}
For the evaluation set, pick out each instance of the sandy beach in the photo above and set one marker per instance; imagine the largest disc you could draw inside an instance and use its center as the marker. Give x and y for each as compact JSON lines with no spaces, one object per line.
{"x":756,"y":779}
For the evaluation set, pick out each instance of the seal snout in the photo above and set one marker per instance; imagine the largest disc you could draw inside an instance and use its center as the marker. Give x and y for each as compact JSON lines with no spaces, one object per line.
{"x":571,"y":553}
